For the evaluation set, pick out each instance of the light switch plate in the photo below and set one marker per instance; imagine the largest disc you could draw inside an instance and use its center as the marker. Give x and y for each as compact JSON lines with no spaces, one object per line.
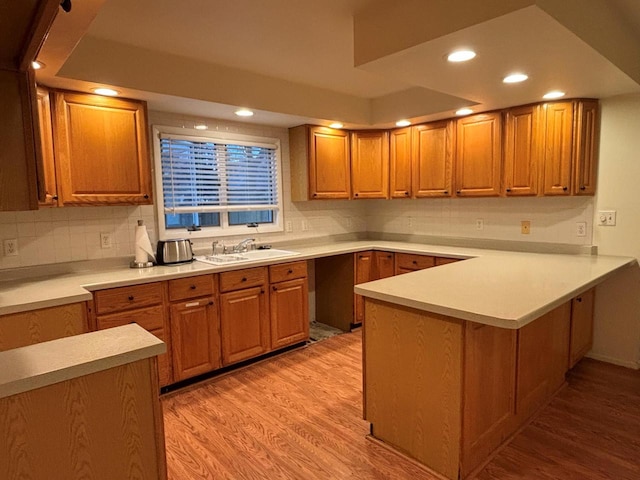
{"x":607,"y":218}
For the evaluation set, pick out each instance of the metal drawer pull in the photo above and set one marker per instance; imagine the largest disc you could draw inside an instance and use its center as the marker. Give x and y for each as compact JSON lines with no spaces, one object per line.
{"x":244,"y":279}
{"x":290,"y":271}
{"x":130,"y":298}
{"x":193,"y":287}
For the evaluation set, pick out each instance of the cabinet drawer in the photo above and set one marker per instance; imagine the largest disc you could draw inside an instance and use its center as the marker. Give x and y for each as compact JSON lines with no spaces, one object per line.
{"x":150,"y":318}
{"x":191,"y":287}
{"x":446,"y":260}
{"x":409,"y":261}
{"x":250,"y":277}
{"x":287,"y":271}
{"x":127,"y":298}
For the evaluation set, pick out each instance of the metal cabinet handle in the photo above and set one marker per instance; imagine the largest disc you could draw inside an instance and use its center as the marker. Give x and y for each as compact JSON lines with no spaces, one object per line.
{"x":508,"y":190}
{"x":579,"y":299}
{"x":244,"y":279}
{"x":130,"y":298}
{"x":146,"y":196}
{"x":275,"y":289}
{"x":564,"y":188}
{"x":54,"y":197}
{"x":415,"y":262}
{"x":289,"y":271}
{"x":315,"y":194}
{"x":406,"y":193}
{"x":582,"y":187}
{"x":211,"y":302}
{"x":192,"y":287}
{"x":458,"y":191}
{"x":355,"y":194}
{"x":446,"y":192}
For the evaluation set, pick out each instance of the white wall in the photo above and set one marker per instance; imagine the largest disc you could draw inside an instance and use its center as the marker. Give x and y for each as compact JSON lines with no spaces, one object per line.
{"x":617,"y":320}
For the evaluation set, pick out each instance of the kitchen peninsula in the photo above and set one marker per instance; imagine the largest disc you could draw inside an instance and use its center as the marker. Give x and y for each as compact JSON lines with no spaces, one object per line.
{"x":457,"y":358}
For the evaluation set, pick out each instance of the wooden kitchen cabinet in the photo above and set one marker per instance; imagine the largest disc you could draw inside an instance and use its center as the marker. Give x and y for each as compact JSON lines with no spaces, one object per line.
{"x":446,"y":260}
{"x":363,"y":262}
{"x":47,"y":188}
{"x":479,"y":155}
{"x":289,"y":304}
{"x":586,"y":147}
{"x":320,"y":163}
{"x":522,"y":145}
{"x":244,"y":314}
{"x":383,"y":265}
{"x":370,"y":164}
{"x":101,"y":150}
{"x":581,"y":326}
{"x":41,"y":325}
{"x":400,"y":174}
{"x":432,"y":159}
{"x":558,"y":148}
{"x":195,"y":337}
{"x":143,"y":304}
{"x":411,"y":262}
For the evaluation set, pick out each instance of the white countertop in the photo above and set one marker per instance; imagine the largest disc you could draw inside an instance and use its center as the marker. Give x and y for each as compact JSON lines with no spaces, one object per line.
{"x":47,"y":363}
{"x":506,"y":289}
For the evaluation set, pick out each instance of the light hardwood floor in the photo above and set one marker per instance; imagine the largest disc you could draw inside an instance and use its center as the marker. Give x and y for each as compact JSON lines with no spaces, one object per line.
{"x":299,"y":416}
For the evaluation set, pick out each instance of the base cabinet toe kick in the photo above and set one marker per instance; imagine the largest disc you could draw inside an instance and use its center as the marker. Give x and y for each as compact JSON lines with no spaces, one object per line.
{"x":448,"y":392}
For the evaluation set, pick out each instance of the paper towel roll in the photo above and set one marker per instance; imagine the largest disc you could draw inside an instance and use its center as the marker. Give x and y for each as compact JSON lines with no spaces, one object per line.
{"x":144,"y":252}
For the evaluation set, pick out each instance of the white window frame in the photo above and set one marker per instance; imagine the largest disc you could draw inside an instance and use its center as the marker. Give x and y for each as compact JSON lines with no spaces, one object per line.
{"x":224,"y":229}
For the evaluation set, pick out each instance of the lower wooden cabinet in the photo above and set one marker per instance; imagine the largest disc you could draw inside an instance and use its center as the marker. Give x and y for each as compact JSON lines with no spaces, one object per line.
{"x":383,"y":265}
{"x":289,"y":306}
{"x":581,"y":326}
{"x":409,"y":262}
{"x":195,"y":337}
{"x":363,"y":273}
{"x":244,"y":324}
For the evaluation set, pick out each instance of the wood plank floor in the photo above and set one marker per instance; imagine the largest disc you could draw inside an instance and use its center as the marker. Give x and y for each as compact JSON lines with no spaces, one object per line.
{"x":299,"y":416}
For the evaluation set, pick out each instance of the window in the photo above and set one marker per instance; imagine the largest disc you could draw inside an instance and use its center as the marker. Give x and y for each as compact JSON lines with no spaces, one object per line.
{"x":216,"y":185}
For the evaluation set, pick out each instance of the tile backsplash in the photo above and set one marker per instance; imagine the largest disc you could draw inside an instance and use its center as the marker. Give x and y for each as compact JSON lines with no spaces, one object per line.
{"x":56,"y":235}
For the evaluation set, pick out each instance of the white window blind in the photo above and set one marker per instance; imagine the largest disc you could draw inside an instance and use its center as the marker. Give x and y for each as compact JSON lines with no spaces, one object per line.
{"x":202,"y":174}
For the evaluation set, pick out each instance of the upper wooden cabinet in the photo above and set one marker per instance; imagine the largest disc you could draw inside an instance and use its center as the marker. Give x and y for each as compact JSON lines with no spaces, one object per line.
{"x":432,"y":159}
{"x":586,"y":144}
{"x":521,"y":150}
{"x":370,"y":164}
{"x":479,"y":155}
{"x":558,"y":148}
{"x":400,"y":163}
{"x":101,"y":150}
{"x":320,"y":165}
{"x":47,"y":188}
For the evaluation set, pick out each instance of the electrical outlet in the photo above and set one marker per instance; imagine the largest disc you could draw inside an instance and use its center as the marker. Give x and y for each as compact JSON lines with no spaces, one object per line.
{"x":11,"y":247}
{"x":305,"y":225}
{"x":105,"y":240}
{"x":525,"y":227}
{"x":288,"y":226}
{"x":581,"y":229}
{"x":607,"y":218}
{"x":479,"y":224}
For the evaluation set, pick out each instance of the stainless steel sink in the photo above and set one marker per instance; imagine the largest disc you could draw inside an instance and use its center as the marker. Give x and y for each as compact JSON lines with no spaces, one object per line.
{"x":252,"y":255}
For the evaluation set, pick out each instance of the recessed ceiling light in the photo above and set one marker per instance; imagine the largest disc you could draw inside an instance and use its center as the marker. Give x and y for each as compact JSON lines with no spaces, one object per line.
{"x":243,"y":112}
{"x":336,"y":125}
{"x":109,"y":92}
{"x":200,"y":126}
{"x":464,"y":111}
{"x":515,"y":78}
{"x":461,"y":56}
{"x":553,"y":94}
{"x":403,"y":123}
{"x":37,"y":65}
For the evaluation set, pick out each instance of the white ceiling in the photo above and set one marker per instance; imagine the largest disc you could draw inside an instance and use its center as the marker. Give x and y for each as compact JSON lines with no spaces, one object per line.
{"x":293,"y":60}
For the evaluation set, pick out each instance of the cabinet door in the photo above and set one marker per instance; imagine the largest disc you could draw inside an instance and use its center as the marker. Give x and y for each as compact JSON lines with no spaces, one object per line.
{"x":433,"y":147}
{"x":244,"y":324}
{"x":558,"y":144}
{"x":363,"y":272}
{"x":479,"y":155}
{"x":383,"y":265}
{"x":289,"y":305}
{"x":586,"y":147}
{"x":101,"y":150}
{"x":329,"y":166}
{"x":581,"y":326}
{"x":195,"y":338}
{"x":400,"y":163}
{"x":521,"y":152}
{"x":370,"y":164}
{"x":47,"y":172}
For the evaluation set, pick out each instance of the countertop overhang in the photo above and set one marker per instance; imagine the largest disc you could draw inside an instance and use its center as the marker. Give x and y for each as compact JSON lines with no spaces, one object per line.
{"x":494,"y":287}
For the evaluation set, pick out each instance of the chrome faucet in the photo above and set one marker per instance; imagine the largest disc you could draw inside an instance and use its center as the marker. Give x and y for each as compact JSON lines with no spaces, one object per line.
{"x":243,"y":246}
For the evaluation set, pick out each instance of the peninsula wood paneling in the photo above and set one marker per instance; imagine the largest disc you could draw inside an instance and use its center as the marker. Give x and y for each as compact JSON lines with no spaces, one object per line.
{"x":102,"y":426}
{"x":413,"y":384}
{"x":42,"y":325}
